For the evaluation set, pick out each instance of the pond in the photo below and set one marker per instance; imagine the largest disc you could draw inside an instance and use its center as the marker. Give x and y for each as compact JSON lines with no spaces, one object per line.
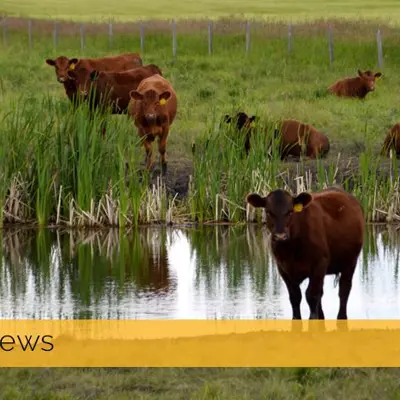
{"x":209,"y":272}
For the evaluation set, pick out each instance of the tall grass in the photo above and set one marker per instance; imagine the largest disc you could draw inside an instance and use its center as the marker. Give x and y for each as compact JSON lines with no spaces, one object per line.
{"x":56,"y":168}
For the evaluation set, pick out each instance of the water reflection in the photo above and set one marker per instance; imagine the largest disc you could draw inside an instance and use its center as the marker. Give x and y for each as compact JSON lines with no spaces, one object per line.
{"x":169,"y":273}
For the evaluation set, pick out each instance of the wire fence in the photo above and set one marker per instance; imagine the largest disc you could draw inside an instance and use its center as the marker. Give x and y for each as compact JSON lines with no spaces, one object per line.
{"x":58,"y":29}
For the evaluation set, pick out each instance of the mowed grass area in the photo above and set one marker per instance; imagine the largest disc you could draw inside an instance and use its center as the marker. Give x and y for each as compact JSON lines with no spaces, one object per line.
{"x":200,"y":383}
{"x":131,"y":10}
{"x":56,"y":168}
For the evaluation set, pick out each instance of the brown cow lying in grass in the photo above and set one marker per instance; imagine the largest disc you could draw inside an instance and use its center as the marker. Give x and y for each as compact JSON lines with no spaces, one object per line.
{"x":110,"y":89}
{"x":392,"y":141}
{"x":357,"y":87}
{"x":314,"y":235}
{"x":296,"y":138}
{"x":153,"y":108}
{"x":64,"y":64}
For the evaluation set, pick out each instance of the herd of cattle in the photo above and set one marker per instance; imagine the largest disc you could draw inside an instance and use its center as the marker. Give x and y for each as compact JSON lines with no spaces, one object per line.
{"x":312,"y":235}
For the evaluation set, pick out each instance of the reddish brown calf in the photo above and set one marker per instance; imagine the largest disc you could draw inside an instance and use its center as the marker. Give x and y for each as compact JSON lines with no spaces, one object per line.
{"x":295,"y":138}
{"x":392,"y":141}
{"x":357,"y":87}
{"x":64,"y":64}
{"x":153,"y":108}
{"x":314,"y":235}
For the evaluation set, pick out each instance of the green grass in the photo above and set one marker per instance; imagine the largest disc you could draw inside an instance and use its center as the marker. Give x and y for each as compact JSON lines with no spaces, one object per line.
{"x":140,"y":9}
{"x":56,"y":168}
{"x":200,"y":383}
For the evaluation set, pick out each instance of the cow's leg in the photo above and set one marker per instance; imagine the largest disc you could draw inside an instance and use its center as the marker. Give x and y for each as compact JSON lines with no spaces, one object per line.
{"x":162,"y":148}
{"x":294,"y":295}
{"x":345,"y":284}
{"x":314,"y":294}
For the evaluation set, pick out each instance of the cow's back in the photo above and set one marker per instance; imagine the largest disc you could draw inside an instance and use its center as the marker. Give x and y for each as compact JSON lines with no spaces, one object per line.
{"x":343,"y":221}
{"x":112,"y":63}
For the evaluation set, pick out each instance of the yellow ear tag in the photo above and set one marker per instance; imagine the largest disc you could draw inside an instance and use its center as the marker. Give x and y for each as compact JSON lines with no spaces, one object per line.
{"x":72,"y":66}
{"x":298,"y":207}
{"x":252,"y":124}
{"x":162,"y":102}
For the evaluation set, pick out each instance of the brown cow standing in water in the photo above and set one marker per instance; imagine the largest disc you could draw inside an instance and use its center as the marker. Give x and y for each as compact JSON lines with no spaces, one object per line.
{"x":64,"y":64}
{"x":296,"y":138}
{"x":357,"y":87}
{"x":153,"y":108}
{"x":313,"y":235}
{"x":392,"y":141}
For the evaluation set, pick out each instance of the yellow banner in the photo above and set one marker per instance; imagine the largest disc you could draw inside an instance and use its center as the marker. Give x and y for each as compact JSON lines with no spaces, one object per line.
{"x":199,"y":343}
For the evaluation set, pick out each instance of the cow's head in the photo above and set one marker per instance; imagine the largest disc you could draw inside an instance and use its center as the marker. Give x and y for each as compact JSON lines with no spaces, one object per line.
{"x":151,"y":103}
{"x":368,"y":79}
{"x":84,"y":79}
{"x":242,"y":120}
{"x":62,"y":65}
{"x":279,"y":206}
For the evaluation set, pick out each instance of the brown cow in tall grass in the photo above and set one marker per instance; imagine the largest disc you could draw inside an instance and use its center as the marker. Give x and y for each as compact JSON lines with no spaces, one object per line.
{"x":64,"y":64}
{"x":314,"y":235}
{"x":357,"y":87}
{"x":153,"y":108}
{"x":109,"y":90}
{"x":295,"y":138}
{"x":392,"y":141}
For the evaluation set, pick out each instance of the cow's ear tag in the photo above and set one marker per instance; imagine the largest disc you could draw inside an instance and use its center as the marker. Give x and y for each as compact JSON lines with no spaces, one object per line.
{"x":72,"y":66}
{"x":253,"y":124}
{"x":298,"y":207}
{"x":162,"y":102}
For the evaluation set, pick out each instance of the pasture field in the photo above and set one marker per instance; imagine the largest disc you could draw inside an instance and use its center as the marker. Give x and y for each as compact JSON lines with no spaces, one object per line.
{"x":57,"y":169}
{"x":139,"y":9}
{"x":199,"y":383}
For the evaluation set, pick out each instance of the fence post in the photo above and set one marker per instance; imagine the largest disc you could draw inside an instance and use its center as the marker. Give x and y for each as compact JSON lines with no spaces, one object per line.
{"x":174,"y":38}
{"x":110,"y":34}
{"x":141,"y":37}
{"x":30,"y":34}
{"x":330,"y":44}
{"x":247,"y":36}
{"x":380,"y":49}
{"x":55,"y":34}
{"x":210,"y":37}
{"x":290,"y":38}
{"x":5,"y":31}
{"x":82,"y":37}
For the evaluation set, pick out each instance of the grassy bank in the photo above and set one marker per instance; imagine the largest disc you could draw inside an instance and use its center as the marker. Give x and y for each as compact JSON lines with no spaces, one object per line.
{"x":200,"y":383}
{"x":56,"y":169}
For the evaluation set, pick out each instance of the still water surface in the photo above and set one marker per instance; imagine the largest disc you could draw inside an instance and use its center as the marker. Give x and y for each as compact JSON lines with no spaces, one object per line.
{"x":170,"y":273}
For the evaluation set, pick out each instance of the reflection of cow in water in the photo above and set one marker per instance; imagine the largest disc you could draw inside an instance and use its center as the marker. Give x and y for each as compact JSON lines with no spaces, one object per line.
{"x":151,"y":268}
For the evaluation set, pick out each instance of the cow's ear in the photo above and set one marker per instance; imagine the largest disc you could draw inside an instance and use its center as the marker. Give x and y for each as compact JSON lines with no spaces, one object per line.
{"x":94,"y":75}
{"x":256,"y":200}
{"x":164,"y":97}
{"x":301,"y":201}
{"x":134,"y":94}
{"x":360,"y":73}
{"x":51,"y":62}
{"x":72,"y":63}
{"x":227,"y":118}
{"x":378,"y":75}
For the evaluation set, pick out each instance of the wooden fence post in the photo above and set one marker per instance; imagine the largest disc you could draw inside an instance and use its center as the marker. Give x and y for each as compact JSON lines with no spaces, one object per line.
{"x":110,"y":34}
{"x":141,"y":37}
{"x":330,"y":44}
{"x":247,"y":36}
{"x":380,"y":48}
{"x":290,"y":38}
{"x":210,"y":37}
{"x":55,"y":32}
{"x":174,"y":38}
{"x":82,"y":37}
{"x":30,"y":34}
